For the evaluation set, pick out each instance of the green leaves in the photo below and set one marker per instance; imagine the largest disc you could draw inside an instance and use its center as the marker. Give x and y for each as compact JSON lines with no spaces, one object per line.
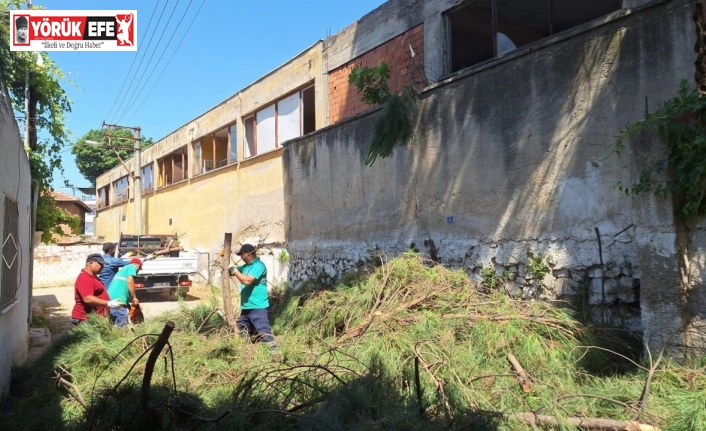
{"x":395,"y":126}
{"x":95,"y":160}
{"x":372,"y":83}
{"x":679,"y":170}
{"x":17,"y":71}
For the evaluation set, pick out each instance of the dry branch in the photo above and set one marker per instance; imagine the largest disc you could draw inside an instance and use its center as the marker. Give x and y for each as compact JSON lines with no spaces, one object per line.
{"x":149,"y":368}
{"x":167,"y":251}
{"x":72,"y":389}
{"x":522,"y":375}
{"x":360,"y":328}
{"x":646,"y":389}
{"x":547,"y":321}
{"x":596,"y":424}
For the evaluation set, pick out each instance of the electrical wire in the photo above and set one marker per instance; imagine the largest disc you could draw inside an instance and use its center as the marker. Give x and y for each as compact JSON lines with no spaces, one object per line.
{"x":146,"y":97}
{"x":131,"y":64}
{"x":147,"y":67}
{"x":170,"y":59}
{"x":149,"y":43}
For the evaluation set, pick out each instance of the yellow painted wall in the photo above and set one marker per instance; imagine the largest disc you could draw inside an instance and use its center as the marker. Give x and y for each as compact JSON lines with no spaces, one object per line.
{"x":245,"y":198}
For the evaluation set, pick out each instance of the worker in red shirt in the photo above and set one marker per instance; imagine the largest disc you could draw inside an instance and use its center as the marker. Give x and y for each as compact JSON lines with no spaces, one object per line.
{"x":90,"y":293}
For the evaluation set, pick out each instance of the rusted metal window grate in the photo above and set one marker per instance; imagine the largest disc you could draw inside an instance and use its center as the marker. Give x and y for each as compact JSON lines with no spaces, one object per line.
{"x":10,"y":261}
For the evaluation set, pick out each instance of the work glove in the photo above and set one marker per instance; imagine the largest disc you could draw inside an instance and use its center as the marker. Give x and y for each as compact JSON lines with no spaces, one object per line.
{"x":231,"y":270}
{"x":149,"y":257}
{"x":114,"y":304}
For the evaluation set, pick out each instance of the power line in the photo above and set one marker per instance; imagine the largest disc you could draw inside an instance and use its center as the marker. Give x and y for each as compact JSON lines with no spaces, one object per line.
{"x":164,"y":51}
{"x":131,"y":64}
{"x":149,"y":43}
{"x":139,"y":81}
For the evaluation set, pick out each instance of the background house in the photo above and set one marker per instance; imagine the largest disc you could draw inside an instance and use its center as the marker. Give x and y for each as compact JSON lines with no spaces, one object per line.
{"x":73,"y":206}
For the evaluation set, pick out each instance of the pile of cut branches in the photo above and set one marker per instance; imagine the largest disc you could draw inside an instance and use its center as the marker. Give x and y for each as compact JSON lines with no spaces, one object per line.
{"x":408,"y":345}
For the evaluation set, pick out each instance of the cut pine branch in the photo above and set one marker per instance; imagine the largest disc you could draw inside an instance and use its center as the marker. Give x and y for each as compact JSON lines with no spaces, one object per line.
{"x":594,"y":424}
{"x":522,"y":375}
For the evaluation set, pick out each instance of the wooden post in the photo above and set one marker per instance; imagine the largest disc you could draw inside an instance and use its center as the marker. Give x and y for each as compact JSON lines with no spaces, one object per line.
{"x":225,"y":281}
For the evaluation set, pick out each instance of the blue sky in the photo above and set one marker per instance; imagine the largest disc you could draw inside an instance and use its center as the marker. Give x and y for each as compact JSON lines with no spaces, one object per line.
{"x":230,"y":45}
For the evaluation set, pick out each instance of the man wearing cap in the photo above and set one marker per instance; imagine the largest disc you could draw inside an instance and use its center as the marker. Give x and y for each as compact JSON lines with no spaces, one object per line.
{"x":122,"y":289}
{"x":21,"y":30}
{"x":254,"y":299}
{"x":112,"y":264}
{"x":90,"y":293}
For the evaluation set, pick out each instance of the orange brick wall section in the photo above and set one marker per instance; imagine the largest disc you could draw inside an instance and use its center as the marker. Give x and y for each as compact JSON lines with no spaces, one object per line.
{"x":344,"y":99}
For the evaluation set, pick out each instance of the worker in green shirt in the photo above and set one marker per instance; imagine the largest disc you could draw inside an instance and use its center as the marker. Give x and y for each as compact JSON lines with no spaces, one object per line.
{"x":254,"y":298}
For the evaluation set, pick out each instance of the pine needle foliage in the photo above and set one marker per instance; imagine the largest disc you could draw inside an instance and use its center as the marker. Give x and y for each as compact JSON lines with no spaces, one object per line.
{"x":395,"y":125}
{"x":406,"y":345}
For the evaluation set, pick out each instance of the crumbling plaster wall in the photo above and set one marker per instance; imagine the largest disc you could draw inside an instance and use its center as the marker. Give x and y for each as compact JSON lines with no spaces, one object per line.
{"x":518,"y":153}
{"x":15,"y":183}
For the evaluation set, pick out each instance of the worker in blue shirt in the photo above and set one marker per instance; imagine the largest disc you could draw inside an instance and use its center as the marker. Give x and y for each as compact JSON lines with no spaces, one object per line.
{"x":112,"y":264}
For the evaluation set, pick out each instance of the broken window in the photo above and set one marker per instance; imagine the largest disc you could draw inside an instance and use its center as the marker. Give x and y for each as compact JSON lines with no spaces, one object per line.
{"x":104,"y":197}
{"x":121,"y":187}
{"x":173,"y":168}
{"x":148,"y":178}
{"x":288,"y":118}
{"x":211,"y":151}
{"x":483,"y":29}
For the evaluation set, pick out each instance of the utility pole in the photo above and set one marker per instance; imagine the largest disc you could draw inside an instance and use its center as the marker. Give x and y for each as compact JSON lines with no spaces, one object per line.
{"x":137,"y":181}
{"x":137,"y":172}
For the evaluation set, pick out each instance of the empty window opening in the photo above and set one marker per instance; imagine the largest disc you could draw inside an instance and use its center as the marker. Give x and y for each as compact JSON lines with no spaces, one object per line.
{"x":308,"y":111}
{"x":211,"y":152}
{"x":483,"y":29}
{"x":173,"y":168}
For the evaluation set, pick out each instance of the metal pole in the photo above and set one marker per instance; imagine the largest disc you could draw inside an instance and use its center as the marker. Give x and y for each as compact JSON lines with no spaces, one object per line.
{"x":138,"y":183}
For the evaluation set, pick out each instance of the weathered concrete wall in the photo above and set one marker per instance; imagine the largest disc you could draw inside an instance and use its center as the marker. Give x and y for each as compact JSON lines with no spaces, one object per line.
{"x":15,"y":183}
{"x":515,"y":152}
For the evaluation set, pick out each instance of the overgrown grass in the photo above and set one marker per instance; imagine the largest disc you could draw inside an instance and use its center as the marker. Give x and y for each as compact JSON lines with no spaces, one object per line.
{"x":407,"y":346}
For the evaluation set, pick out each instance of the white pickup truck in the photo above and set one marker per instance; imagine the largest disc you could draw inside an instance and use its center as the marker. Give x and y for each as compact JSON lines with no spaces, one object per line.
{"x":166,"y":267}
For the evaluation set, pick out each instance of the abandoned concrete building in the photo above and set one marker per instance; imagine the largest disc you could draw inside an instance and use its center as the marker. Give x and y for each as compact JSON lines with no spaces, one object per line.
{"x":520,"y":104}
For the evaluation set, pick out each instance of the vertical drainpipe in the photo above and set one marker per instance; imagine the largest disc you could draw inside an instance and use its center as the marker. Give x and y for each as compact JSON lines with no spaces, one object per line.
{"x":33,"y":225}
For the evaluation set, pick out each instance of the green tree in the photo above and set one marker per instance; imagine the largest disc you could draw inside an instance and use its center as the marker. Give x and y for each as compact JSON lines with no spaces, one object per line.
{"x":95,"y":160}
{"x":48,"y":103}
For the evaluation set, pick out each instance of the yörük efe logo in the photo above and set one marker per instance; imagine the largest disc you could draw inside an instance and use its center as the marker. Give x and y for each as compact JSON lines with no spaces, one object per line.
{"x":73,"y":30}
